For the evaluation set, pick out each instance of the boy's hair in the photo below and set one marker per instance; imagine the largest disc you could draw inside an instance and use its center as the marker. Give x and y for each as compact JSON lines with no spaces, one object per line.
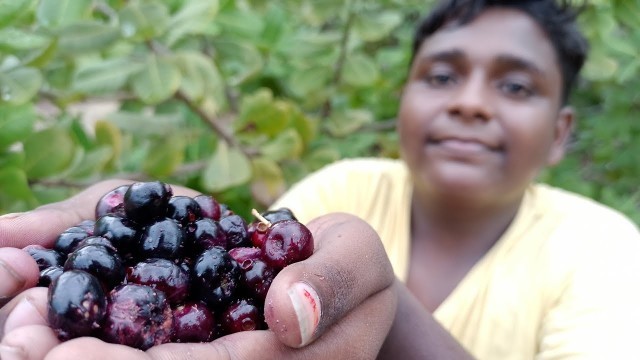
{"x":557,"y":19}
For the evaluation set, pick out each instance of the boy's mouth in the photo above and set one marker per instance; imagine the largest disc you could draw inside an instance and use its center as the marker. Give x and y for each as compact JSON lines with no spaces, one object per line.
{"x":464,"y":144}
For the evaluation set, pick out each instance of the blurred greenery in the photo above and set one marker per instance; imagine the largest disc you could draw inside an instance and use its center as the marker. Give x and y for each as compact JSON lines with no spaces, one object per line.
{"x":241,"y":98}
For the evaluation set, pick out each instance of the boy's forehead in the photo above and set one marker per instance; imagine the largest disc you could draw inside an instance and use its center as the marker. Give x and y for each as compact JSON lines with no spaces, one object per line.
{"x":495,"y":32}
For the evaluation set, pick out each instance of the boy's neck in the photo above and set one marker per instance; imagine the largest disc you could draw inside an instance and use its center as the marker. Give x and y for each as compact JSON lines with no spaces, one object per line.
{"x":461,"y":224}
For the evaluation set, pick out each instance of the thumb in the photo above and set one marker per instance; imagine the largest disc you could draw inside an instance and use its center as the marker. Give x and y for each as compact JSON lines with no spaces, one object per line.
{"x":348,"y":266}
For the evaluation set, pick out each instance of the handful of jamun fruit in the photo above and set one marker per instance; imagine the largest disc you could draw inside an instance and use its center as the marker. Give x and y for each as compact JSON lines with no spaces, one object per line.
{"x":156,"y":268}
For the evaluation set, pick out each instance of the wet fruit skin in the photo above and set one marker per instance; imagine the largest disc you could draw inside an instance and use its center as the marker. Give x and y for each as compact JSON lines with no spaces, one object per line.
{"x":235,"y":228}
{"x":68,"y":240}
{"x":287,"y":242}
{"x":206,"y":233}
{"x":242,"y":315}
{"x":215,"y":277}
{"x":144,"y":202}
{"x":163,"y":239}
{"x":44,"y":257}
{"x":112,"y":202}
{"x":122,"y":233}
{"x":101,"y":261}
{"x":193,"y":322}
{"x":137,"y":316}
{"x":161,"y":274}
{"x":49,"y":275}
{"x":183,"y":209}
{"x":209,"y":207}
{"x":76,"y":304}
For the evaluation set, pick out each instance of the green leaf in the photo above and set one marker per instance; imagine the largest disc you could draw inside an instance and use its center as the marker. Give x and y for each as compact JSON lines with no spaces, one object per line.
{"x":14,"y":183}
{"x":238,"y":61}
{"x":360,"y":70}
{"x":11,"y":10}
{"x":303,"y":82}
{"x":374,"y":27}
{"x":86,"y":36}
{"x":304,"y":125}
{"x":144,"y":124}
{"x":54,"y":13}
{"x":19,"y":85}
{"x":144,"y":21}
{"x":158,"y":80}
{"x":321,"y":156}
{"x":196,"y":17}
{"x":16,"y":123}
{"x":241,"y":24}
{"x":268,"y":181}
{"x":165,"y":156}
{"x":12,"y":39}
{"x":40,"y":160}
{"x":226,"y":168}
{"x":347,"y":122}
{"x":200,"y":78}
{"x":287,"y":145}
{"x":107,"y":134}
{"x":11,"y":158}
{"x":91,"y":162}
{"x":104,"y":77}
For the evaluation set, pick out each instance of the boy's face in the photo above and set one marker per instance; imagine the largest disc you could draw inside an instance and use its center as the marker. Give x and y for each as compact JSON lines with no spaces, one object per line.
{"x":481,"y":112}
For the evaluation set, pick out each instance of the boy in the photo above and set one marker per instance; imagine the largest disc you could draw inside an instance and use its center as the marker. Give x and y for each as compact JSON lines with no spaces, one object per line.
{"x":512,"y":269}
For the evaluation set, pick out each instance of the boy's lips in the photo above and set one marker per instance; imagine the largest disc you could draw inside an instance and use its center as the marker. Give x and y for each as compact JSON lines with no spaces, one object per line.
{"x":464,"y":144}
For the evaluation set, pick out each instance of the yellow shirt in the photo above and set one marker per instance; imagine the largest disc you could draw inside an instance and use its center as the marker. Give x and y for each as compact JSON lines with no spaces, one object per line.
{"x":563,"y":282}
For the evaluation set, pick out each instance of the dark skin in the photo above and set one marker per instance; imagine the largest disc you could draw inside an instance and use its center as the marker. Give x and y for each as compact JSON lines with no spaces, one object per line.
{"x":478,"y":120}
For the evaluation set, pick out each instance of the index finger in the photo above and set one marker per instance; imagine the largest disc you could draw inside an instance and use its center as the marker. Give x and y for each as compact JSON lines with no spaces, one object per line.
{"x":41,"y":226}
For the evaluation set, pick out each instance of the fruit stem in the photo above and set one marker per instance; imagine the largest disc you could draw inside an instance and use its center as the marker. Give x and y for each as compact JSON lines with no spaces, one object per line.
{"x":260,"y":217}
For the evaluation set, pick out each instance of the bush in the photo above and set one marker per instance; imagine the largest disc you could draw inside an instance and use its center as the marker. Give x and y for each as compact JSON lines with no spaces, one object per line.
{"x":240,"y":99}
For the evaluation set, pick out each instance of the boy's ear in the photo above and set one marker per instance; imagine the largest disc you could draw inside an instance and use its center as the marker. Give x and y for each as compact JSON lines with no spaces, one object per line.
{"x":563,"y":128}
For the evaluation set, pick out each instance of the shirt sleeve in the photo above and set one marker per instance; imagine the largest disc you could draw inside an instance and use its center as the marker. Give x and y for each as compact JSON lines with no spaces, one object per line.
{"x":597,"y":312}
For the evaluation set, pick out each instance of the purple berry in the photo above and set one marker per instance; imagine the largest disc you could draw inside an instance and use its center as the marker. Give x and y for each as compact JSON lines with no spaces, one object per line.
{"x":215,"y":277}
{"x":161,"y":274}
{"x":112,"y":203}
{"x":122,"y":233}
{"x":287,"y":242}
{"x":137,"y":316}
{"x":235,"y":228}
{"x":49,"y":275}
{"x":193,"y":322}
{"x":68,"y":240}
{"x":162,"y":239}
{"x":206,"y":234}
{"x":184,"y":210}
{"x":98,"y":260}
{"x":44,"y":257}
{"x":209,"y":207}
{"x":242,"y":315}
{"x":76,"y":305}
{"x":145,"y":202}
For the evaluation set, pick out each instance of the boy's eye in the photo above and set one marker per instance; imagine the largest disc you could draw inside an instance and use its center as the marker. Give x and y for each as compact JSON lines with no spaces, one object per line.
{"x":516,"y":89}
{"x":439,"y":79}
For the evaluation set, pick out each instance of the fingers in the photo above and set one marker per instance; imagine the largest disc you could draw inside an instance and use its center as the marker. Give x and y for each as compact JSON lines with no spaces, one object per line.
{"x":358,"y":335}
{"x":31,"y":342}
{"x":18,"y":271}
{"x":28,"y":308}
{"x":42,"y":225}
{"x":308,"y":297}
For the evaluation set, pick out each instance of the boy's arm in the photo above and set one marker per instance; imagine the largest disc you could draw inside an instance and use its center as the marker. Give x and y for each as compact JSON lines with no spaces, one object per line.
{"x":415,"y":333}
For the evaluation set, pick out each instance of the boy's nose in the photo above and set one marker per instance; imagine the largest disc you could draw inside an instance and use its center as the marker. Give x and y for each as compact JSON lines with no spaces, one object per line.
{"x":471,"y":101}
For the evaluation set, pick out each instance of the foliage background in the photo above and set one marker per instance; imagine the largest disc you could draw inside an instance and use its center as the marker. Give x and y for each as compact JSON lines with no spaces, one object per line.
{"x":241,"y":98}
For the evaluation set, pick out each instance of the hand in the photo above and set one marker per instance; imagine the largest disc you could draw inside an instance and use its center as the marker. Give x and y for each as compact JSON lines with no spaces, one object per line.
{"x":349,"y":272}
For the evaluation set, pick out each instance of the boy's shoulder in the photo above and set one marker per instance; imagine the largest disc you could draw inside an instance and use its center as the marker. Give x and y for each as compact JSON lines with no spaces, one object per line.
{"x":581,"y":214}
{"x":367,"y":166}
